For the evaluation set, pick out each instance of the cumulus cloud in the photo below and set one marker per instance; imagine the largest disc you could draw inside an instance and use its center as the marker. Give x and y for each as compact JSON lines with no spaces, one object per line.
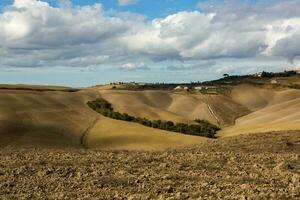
{"x":225,"y":69}
{"x":35,"y":34}
{"x":134,"y":67}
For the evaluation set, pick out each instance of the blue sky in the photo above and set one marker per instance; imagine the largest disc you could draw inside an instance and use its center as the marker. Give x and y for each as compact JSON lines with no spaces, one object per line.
{"x":44,"y":42}
{"x":156,"y":8}
{"x":149,"y":8}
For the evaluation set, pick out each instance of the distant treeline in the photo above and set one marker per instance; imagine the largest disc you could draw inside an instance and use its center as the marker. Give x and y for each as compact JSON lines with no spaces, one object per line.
{"x":200,"y":128}
{"x":226,"y":80}
{"x":251,"y":79}
{"x":278,"y":74}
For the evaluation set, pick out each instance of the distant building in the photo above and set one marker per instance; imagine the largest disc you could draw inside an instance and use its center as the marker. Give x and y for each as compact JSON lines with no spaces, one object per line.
{"x":179,"y":87}
{"x":210,"y":87}
{"x":198,"y":88}
{"x":205,"y":87}
{"x":274,"y":81}
{"x":258,"y":74}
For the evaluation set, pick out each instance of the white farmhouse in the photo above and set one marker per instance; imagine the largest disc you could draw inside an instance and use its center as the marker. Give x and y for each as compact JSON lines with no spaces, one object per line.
{"x":198,"y":88}
{"x":179,"y":87}
{"x":259,"y":74}
{"x":274,"y":81}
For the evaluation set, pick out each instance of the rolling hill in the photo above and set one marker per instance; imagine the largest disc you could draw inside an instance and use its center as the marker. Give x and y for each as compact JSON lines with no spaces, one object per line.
{"x":178,"y":107}
{"x":49,"y":118}
{"x":112,"y":134}
{"x":59,"y":117}
{"x":273,"y":110}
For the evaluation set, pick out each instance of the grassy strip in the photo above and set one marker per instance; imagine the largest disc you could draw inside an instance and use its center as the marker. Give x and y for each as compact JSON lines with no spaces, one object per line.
{"x":37,"y":88}
{"x":200,"y":128}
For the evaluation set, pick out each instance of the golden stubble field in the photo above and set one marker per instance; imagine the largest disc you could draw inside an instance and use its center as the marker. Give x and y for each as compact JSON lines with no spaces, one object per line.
{"x":61,"y":118}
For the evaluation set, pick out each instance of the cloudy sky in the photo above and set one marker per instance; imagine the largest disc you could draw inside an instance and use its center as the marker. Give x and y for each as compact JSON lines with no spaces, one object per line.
{"x":87,"y":42}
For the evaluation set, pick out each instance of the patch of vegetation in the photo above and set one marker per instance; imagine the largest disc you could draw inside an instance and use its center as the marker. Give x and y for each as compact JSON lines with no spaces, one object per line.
{"x":278,"y":74}
{"x":295,"y":86}
{"x":201,"y":128}
{"x":253,"y":79}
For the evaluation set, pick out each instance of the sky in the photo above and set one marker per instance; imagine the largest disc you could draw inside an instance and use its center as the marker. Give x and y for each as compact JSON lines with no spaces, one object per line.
{"x":83,"y":43}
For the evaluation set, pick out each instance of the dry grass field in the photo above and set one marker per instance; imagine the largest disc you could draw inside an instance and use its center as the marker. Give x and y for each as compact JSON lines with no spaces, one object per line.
{"x":112,"y":134}
{"x":273,"y":110}
{"x":217,"y":109}
{"x":50,"y":118}
{"x":61,"y":118}
{"x":36,"y":87}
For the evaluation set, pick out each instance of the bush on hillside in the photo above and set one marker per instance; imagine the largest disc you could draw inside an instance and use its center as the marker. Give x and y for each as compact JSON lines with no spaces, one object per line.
{"x":207,"y":124}
{"x":101,"y":104}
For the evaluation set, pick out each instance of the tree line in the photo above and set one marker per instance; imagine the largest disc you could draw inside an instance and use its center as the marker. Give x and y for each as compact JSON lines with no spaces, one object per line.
{"x":278,"y":74}
{"x":200,"y":128}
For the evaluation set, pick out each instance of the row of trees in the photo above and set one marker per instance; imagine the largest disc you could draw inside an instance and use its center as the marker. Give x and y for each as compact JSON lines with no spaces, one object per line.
{"x":278,"y":74}
{"x":200,"y":128}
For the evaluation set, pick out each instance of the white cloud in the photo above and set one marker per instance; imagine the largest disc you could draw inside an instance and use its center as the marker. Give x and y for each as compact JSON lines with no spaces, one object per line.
{"x":35,"y":34}
{"x":225,"y":69}
{"x":133,"y":67}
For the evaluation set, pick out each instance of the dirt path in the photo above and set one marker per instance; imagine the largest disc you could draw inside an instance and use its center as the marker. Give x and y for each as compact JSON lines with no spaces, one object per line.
{"x":213,"y":114}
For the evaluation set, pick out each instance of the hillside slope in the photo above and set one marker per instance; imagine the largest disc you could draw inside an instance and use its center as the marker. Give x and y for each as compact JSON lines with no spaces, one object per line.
{"x":177,"y":107}
{"x":62,"y":119}
{"x":273,"y":110}
{"x":44,"y":118}
{"x":112,"y":134}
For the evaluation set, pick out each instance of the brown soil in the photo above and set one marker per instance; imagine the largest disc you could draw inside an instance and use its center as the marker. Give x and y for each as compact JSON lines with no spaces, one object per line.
{"x":256,"y":166}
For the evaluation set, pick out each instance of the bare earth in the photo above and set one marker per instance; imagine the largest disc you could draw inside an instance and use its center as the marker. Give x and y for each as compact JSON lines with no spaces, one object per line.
{"x":255,"y":166}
